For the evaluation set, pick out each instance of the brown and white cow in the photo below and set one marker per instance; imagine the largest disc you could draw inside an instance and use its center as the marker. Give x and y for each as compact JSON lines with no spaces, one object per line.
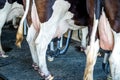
{"x":105,"y":17}
{"x":5,"y":7}
{"x":41,"y":32}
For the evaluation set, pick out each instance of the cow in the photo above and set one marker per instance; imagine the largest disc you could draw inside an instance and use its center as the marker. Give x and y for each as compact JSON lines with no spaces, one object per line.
{"x":78,"y":8}
{"x":15,"y":14}
{"x":5,"y":8}
{"x":41,"y":32}
{"x":104,"y":33}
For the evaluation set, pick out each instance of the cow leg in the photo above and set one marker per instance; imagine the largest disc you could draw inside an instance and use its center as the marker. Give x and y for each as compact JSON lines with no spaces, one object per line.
{"x":14,"y":22}
{"x":43,"y":70}
{"x":115,"y":58}
{"x":1,"y":50}
{"x":42,"y":42}
{"x":3,"y":12}
{"x":84,"y":36}
{"x":31,"y":36}
{"x":43,"y":39}
{"x":47,"y":31}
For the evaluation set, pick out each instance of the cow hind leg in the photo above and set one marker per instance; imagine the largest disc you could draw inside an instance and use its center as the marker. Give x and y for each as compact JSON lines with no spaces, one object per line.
{"x":43,"y":70}
{"x":31,"y":36}
{"x":42,"y":41}
{"x":115,"y":58}
{"x":1,"y":50}
{"x":3,"y":12}
{"x":84,"y":38}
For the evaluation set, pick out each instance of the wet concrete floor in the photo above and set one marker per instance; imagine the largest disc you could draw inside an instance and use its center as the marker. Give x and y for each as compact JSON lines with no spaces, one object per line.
{"x":65,"y":67}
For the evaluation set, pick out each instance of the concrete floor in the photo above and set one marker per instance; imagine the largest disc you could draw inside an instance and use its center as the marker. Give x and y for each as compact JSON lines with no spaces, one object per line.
{"x":65,"y":67}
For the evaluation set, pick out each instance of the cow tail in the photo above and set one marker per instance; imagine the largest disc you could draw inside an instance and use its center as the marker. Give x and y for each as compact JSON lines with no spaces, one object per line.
{"x":19,"y":35}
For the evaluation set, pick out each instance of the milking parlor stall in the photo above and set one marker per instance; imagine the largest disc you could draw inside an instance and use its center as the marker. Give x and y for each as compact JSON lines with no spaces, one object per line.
{"x":52,"y":40}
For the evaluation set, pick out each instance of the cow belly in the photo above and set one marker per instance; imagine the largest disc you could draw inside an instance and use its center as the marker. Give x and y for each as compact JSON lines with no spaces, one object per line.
{"x":105,"y":33}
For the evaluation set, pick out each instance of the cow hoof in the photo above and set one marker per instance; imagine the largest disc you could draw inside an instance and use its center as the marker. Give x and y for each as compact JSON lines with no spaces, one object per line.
{"x":3,"y":55}
{"x":82,"y":49}
{"x":49,"y":77}
{"x":109,"y":77}
{"x":79,"y":48}
{"x":35,"y":66}
{"x":50,"y":58}
{"x":41,"y":73}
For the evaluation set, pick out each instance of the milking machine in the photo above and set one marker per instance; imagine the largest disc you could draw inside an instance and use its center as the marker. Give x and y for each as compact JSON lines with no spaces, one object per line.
{"x":58,"y":46}
{"x":105,"y":63}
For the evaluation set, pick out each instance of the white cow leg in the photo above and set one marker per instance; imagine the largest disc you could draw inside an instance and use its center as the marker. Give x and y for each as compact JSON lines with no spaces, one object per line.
{"x":1,"y":50}
{"x":115,"y":58}
{"x":84,"y":40}
{"x":42,"y":41}
{"x":3,"y":16}
{"x":14,"y":22}
{"x":32,"y":34}
{"x":47,"y":32}
{"x":43,"y":70}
